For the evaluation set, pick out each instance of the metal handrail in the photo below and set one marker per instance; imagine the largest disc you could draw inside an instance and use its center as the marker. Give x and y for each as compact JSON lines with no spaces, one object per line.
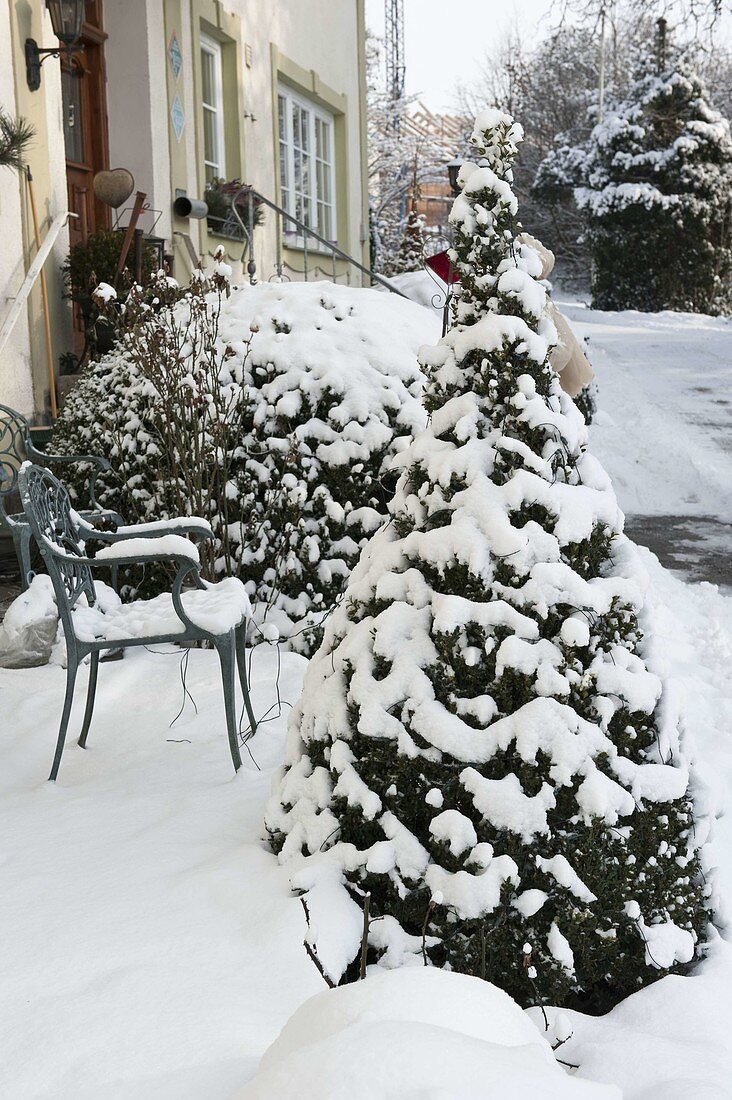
{"x":18,"y":301}
{"x":255,"y":198}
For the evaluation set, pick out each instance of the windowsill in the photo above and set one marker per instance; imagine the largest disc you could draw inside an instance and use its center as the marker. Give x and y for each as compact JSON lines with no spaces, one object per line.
{"x":226,"y":236}
{"x":296,"y":244}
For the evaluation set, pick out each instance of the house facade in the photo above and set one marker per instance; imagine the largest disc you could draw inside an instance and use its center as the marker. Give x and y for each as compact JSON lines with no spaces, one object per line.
{"x":187,"y":96}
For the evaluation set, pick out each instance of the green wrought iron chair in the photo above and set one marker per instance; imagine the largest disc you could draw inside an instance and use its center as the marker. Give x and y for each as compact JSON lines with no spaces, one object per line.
{"x":16,"y":446}
{"x":212,"y":612}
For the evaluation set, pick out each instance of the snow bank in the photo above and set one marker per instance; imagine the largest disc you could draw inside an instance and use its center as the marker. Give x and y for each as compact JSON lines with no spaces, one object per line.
{"x":411,"y":1034}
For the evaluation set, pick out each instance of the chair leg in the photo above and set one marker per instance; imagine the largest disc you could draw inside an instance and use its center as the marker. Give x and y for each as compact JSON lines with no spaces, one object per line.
{"x":241,"y":661}
{"x":90,"y":694}
{"x":226,"y":650}
{"x":22,"y":536}
{"x":71,"y":670}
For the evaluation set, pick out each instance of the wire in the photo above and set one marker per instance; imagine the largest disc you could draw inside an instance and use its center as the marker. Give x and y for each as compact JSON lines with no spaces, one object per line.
{"x":186,"y":692}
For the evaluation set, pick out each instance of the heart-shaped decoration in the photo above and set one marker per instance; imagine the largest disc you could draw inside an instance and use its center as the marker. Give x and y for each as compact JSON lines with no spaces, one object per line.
{"x":114,"y":187}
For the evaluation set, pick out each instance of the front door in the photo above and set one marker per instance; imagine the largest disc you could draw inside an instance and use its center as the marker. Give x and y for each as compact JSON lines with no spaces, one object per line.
{"x":83,"y":85}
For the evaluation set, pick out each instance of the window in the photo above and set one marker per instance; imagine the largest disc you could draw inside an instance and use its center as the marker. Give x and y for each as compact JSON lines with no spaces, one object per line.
{"x":306,"y":163}
{"x":213,"y":110}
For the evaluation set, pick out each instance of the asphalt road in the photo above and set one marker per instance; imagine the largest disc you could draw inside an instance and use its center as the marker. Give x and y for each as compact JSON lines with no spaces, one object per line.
{"x":698,"y":547}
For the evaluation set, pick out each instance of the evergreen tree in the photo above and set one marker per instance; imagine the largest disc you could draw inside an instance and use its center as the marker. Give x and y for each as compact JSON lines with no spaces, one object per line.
{"x":400,"y":157}
{"x":411,"y":250}
{"x":657,"y":192}
{"x":479,"y":743}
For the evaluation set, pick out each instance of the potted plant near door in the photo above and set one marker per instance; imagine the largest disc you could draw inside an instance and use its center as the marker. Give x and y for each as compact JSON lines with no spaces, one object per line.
{"x":90,"y":263}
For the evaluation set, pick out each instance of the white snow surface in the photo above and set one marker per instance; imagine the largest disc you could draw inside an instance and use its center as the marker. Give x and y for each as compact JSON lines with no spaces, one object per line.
{"x":328,"y":336}
{"x":217,"y":608}
{"x":662,"y":430}
{"x":149,"y":942}
{"x":411,"y":1034}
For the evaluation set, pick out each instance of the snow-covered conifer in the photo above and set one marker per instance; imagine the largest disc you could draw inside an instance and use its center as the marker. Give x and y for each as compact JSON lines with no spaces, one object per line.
{"x":480,"y":743}
{"x":657,"y":193}
{"x":411,"y":250}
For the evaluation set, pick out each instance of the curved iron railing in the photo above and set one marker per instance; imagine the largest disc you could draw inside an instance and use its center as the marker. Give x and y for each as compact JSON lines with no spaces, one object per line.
{"x":252,"y":199}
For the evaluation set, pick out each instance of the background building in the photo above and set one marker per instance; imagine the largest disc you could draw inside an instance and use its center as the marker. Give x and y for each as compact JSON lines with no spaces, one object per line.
{"x":446,"y":134}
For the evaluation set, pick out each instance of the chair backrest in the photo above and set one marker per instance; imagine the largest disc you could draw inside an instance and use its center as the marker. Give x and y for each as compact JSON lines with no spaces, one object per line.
{"x":48,"y":510}
{"x":14,"y":434}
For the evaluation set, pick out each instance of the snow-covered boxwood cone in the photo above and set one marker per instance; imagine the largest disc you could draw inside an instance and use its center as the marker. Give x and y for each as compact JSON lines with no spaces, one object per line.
{"x":479,"y":743}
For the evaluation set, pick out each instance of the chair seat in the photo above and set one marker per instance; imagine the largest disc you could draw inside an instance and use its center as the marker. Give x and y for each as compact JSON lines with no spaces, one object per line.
{"x":218,"y":608}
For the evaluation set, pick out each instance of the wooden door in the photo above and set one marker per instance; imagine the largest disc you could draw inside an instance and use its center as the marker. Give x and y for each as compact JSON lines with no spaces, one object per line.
{"x":84,"y":94}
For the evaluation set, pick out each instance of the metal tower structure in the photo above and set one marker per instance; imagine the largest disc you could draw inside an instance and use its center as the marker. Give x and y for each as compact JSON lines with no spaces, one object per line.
{"x":394,"y":48}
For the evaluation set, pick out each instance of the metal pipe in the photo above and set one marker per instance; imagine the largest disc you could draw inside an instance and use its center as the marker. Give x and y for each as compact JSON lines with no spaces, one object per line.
{"x":44,"y":296}
{"x":251,"y":265}
{"x":183,"y":207}
{"x":16,"y":304}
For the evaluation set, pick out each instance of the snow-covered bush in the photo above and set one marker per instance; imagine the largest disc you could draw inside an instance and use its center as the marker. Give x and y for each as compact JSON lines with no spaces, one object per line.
{"x":479,"y":743}
{"x":274,"y":412}
{"x":412,"y":1034}
{"x":655,"y":185}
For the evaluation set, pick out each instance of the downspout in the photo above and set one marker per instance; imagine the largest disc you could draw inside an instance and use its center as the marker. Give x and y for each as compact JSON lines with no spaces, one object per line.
{"x":363,"y":131}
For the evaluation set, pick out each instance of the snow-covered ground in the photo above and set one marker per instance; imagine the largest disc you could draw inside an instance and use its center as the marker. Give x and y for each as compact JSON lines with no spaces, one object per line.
{"x":664,"y":430}
{"x":149,"y":945}
{"x":664,"y":422}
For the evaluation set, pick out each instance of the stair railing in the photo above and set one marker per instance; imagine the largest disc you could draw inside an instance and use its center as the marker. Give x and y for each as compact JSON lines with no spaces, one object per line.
{"x":254,"y":199}
{"x":17,"y":301}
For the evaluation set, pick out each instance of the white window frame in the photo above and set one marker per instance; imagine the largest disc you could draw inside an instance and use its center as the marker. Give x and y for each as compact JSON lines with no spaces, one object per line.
{"x":286,"y":158}
{"x":218,"y":167}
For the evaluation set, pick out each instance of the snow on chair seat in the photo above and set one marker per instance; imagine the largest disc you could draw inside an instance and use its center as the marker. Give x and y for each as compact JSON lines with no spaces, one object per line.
{"x":217,"y":609}
{"x":216,"y":613}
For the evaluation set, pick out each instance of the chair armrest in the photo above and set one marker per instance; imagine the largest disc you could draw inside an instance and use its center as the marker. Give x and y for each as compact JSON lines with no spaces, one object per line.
{"x":160,"y":548}
{"x":169,"y":548}
{"x":43,"y":457}
{"x":91,"y":519}
{"x":199,"y":528}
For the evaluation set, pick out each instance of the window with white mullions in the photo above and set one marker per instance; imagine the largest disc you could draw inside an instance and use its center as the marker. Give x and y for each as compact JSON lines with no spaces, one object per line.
{"x":306,"y":164}
{"x":212,"y":103}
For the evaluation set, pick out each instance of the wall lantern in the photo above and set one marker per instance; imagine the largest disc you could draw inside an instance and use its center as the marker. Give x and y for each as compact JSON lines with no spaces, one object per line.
{"x":453,"y":171}
{"x":67,"y":17}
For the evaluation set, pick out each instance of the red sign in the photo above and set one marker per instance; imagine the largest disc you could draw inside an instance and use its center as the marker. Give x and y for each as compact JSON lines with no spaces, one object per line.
{"x":443,"y":269}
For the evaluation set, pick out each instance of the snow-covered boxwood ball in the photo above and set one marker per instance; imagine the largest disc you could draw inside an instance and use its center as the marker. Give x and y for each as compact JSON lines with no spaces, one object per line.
{"x":480,"y":744}
{"x":275,"y":411}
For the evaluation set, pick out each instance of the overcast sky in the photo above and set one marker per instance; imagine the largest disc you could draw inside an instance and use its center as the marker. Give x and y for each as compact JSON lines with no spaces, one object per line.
{"x":445,"y":39}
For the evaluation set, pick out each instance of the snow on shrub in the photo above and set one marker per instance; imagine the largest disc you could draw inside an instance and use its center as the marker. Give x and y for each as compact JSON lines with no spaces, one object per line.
{"x":274,"y":411}
{"x":410,"y":1034}
{"x":479,"y":743}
